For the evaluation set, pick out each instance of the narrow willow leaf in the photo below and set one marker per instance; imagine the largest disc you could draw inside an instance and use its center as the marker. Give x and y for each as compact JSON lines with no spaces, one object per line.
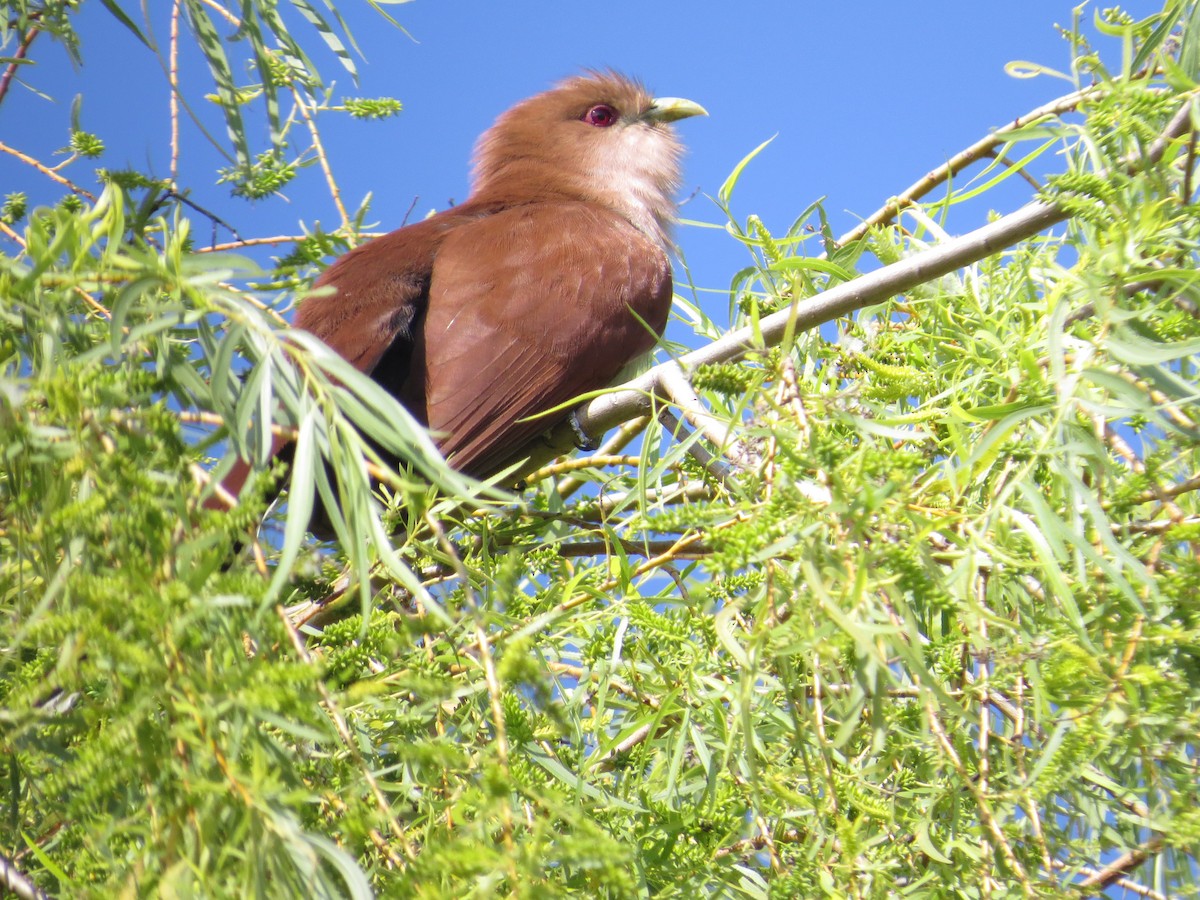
{"x":812,"y":264}
{"x":332,"y":41}
{"x":218,"y":65}
{"x":222,"y":367}
{"x":1189,"y":53}
{"x":300,"y":504}
{"x":1128,"y":346}
{"x":355,"y":882}
{"x":726,"y":190}
{"x":113,"y":7}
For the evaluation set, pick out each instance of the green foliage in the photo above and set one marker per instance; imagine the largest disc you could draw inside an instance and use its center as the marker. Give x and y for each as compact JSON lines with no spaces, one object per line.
{"x":939,"y":636}
{"x":86,"y":144}
{"x":14,"y":208}
{"x":372,"y":108}
{"x":268,"y":174}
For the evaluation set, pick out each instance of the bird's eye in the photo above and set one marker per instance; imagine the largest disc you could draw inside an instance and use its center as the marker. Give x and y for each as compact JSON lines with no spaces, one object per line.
{"x":601,"y":116}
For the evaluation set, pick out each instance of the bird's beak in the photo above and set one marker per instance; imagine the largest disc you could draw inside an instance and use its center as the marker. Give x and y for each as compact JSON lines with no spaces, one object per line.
{"x":670,"y":109}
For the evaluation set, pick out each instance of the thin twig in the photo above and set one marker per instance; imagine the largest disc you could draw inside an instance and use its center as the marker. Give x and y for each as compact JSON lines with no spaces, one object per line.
{"x":677,"y":550}
{"x":823,"y":745}
{"x":11,"y":70}
{"x":713,"y":464}
{"x":200,"y":417}
{"x":1158,"y":526}
{"x":595,"y":460}
{"x":1124,"y":883}
{"x":679,"y":390}
{"x":319,"y":148}
{"x":753,"y":845}
{"x":1188,"y":170}
{"x":173,"y":83}
{"x":12,"y":235}
{"x":981,"y":803}
{"x":1019,"y":745}
{"x":240,"y":243}
{"x":223,"y":13}
{"x":640,"y":548}
{"x":1120,"y":446}
{"x":1159,"y":492}
{"x":985,"y":730}
{"x":610,"y":681}
{"x":408,"y":212}
{"x":1005,"y":161}
{"x":666,"y":496}
{"x":47,"y":171}
{"x":977,"y":151}
{"x":495,"y":693}
{"x":208,"y":214}
{"x":1088,"y":773}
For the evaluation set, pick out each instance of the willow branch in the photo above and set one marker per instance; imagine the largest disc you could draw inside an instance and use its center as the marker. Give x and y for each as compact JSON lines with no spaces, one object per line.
{"x":636,"y":397}
{"x":696,"y":491}
{"x":348,"y":739}
{"x":13,"y":879}
{"x":634,"y":548}
{"x":173,"y":83}
{"x":223,"y":13}
{"x":681,"y":393}
{"x":1019,"y":169}
{"x":1160,"y":493}
{"x":241,"y":243}
{"x":47,"y":171}
{"x":319,"y":148}
{"x":1121,"y":866}
{"x":12,"y":235}
{"x":717,"y":467}
{"x":11,"y":70}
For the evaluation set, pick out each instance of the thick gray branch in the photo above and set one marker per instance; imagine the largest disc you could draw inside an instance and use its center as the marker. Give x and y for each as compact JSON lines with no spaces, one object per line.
{"x":13,"y":879}
{"x":634,"y":397}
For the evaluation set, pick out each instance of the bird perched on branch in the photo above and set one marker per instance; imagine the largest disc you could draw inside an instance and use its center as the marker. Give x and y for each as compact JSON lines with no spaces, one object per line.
{"x":542,"y":286}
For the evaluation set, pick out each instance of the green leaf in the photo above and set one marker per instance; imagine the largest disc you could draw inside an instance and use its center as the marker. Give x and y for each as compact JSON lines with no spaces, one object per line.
{"x":218,"y":65}
{"x":726,"y":189}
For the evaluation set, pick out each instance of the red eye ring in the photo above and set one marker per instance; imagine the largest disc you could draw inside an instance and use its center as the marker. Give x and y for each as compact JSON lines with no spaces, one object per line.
{"x":601,"y":116}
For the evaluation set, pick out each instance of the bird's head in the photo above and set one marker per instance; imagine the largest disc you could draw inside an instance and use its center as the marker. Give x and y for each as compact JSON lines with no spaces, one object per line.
{"x":598,"y":137}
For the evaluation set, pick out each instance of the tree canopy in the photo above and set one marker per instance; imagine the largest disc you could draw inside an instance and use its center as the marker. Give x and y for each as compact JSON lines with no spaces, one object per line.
{"x":886,"y":584}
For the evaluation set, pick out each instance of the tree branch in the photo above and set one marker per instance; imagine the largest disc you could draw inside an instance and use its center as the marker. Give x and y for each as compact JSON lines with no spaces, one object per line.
{"x":1120,"y":866}
{"x":47,"y":171}
{"x":11,"y":70}
{"x":635,"y":398}
{"x":13,"y":879}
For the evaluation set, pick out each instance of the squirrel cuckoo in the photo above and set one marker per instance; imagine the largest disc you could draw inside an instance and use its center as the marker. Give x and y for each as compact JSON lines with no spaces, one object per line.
{"x":542,"y":286}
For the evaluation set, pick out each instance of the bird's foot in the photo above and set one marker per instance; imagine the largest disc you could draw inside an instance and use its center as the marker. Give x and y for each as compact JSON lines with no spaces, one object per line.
{"x":583,"y":440}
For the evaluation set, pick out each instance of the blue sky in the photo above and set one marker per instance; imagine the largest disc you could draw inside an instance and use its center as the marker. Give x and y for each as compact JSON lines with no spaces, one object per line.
{"x":861,"y":99}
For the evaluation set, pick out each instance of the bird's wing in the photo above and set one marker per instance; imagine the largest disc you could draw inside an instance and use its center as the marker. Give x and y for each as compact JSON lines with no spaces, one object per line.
{"x":529,"y":308}
{"x":379,"y":293}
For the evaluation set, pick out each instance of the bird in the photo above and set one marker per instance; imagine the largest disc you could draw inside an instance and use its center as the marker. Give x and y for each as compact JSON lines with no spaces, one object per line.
{"x":548,"y":280}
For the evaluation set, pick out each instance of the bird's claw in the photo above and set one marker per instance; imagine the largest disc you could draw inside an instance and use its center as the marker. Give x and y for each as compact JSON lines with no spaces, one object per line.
{"x":583,"y":440}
